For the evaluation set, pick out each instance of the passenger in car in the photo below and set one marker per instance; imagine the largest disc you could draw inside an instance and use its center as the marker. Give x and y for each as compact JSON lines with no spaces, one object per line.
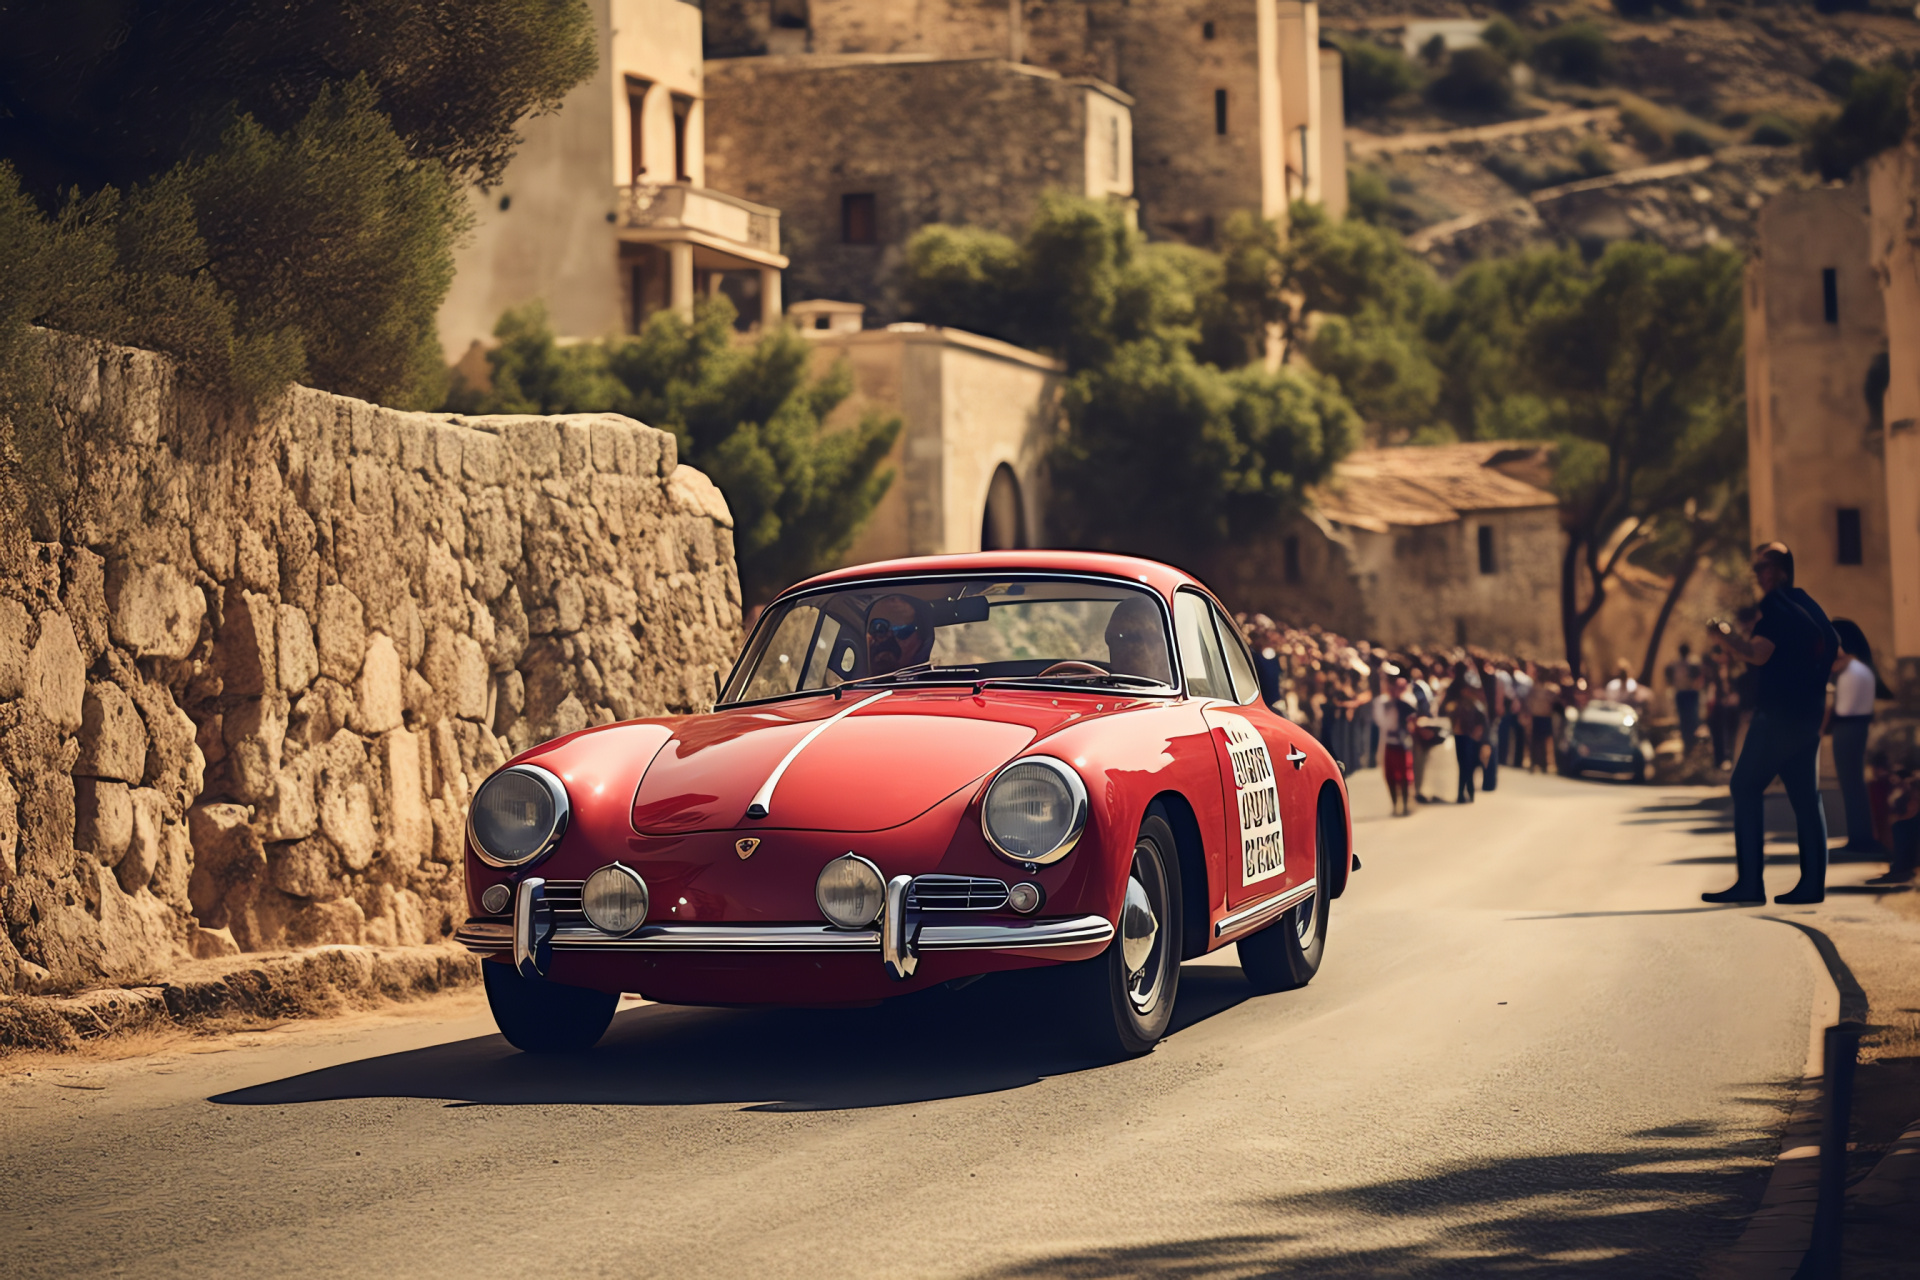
{"x":1136,"y":643}
{"x":899,"y":633}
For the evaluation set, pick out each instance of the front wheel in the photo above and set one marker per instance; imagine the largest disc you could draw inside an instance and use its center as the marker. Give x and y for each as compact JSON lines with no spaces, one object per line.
{"x":1125,"y":995}
{"x":546,"y":1017}
{"x":1286,"y":954}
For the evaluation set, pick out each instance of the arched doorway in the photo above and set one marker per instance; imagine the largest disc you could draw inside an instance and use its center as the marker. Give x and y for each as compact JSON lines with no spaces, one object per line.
{"x":1003,"y":527}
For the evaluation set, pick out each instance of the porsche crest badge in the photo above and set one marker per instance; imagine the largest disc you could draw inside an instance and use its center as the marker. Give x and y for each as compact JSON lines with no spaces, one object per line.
{"x":745,"y":847}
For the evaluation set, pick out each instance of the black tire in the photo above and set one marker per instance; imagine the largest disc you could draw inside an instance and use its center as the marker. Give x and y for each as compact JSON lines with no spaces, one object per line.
{"x":1123,"y":1010}
{"x":546,"y":1017}
{"x":1286,"y":954}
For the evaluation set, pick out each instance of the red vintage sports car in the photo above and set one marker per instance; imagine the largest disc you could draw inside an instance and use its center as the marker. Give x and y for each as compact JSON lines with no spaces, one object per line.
{"x":920,"y":772}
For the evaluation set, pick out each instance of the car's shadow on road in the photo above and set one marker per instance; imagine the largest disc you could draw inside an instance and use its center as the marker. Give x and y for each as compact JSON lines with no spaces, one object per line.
{"x":997,"y":1034}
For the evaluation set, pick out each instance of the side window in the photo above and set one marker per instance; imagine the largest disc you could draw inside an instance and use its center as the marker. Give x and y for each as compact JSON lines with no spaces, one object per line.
{"x":1246,"y":685}
{"x":1200,"y":654}
{"x":786,"y":654}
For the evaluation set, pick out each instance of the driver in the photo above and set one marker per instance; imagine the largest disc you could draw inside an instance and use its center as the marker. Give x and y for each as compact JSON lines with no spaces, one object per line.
{"x":899,"y":633}
{"x":1136,"y":641}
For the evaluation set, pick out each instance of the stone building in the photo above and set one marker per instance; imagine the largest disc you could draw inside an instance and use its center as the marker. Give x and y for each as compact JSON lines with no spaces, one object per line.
{"x":1432,"y":545}
{"x":977,"y":420}
{"x":1816,"y":329}
{"x":1894,"y":242}
{"x":860,"y":151}
{"x":1218,"y":107}
{"x":604,"y":213}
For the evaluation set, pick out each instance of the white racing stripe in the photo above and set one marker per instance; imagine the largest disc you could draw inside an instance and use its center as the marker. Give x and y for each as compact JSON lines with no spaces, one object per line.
{"x":762,"y":803}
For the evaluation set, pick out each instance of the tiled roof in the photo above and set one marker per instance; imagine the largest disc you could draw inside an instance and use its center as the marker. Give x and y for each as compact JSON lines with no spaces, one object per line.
{"x":1434,"y":484}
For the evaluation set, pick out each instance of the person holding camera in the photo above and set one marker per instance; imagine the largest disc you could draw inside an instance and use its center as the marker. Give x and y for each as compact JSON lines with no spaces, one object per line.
{"x":1791,"y":650}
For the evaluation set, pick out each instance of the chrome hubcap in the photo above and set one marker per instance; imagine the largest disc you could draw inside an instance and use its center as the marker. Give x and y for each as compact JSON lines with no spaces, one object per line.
{"x":1141,"y":938}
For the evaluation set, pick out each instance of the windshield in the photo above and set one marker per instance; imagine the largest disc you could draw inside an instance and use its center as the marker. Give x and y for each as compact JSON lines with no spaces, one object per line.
{"x":1602,"y":736}
{"x":1007,"y":627}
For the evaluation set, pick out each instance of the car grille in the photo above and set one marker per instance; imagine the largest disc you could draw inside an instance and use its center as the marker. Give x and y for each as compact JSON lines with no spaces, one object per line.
{"x":564,"y":897}
{"x":959,"y":893}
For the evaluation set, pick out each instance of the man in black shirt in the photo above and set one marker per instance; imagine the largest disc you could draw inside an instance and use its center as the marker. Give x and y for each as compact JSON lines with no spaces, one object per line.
{"x":1791,"y":651}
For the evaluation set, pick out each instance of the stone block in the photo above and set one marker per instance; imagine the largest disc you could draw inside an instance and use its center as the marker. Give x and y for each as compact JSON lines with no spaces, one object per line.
{"x":379,"y":699}
{"x":292,"y":812}
{"x":345,"y":795}
{"x":9,"y":829}
{"x":324,"y":924}
{"x":293,"y":641}
{"x":16,"y":630}
{"x":409,"y":826}
{"x":226,"y":853}
{"x":211,"y":944}
{"x":113,"y":739}
{"x":248,"y":667}
{"x":56,"y":683}
{"x":305,"y":869}
{"x":321,"y":712}
{"x":102,"y":818}
{"x":83,"y":594}
{"x":696,"y":495}
{"x":342,"y":633}
{"x":255,"y":733}
{"x":257,"y":564}
{"x":135,"y":869}
{"x":153,"y":610}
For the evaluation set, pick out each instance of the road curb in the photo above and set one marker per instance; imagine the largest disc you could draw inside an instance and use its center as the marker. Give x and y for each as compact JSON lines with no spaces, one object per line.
{"x":1777,"y":1236}
{"x":299,"y":984}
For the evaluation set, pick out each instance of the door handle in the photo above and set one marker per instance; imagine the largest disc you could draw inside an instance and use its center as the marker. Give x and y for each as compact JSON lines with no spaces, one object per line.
{"x":1296,"y":757}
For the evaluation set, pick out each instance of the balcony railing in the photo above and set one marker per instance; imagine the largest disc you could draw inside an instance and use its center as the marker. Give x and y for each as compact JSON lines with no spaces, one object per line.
{"x":655,"y":205}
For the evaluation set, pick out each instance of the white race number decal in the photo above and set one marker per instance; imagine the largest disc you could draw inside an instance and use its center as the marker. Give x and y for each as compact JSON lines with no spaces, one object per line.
{"x":1263,"y":846}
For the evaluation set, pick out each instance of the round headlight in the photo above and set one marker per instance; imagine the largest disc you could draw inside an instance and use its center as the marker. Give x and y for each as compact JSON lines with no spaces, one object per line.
{"x":517,"y":815}
{"x":850,"y":892}
{"x":1035,"y":810}
{"x":614,"y":900}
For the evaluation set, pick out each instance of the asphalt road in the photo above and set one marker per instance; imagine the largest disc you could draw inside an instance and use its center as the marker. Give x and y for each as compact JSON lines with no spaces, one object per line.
{"x":1530,"y":1049}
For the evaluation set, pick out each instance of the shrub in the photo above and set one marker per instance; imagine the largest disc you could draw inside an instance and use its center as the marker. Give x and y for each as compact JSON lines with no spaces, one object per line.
{"x":1476,"y":80}
{"x":1773,"y":131}
{"x":1578,"y":51}
{"x":1650,"y":128}
{"x":1373,"y":76}
{"x":1689,"y":141}
{"x":1836,"y":75}
{"x":1505,"y":39}
{"x":1594,"y":158}
{"x":1873,"y":119}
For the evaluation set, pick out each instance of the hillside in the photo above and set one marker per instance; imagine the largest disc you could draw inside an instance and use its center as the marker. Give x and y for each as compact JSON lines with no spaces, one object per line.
{"x":1674,"y":128}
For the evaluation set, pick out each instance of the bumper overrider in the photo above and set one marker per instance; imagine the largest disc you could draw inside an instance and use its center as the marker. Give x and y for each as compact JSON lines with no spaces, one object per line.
{"x":533,"y":932}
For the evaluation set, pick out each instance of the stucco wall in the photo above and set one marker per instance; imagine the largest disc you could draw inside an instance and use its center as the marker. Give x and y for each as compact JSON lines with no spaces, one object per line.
{"x":252,"y":666}
{"x":967,"y":405}
{"x":1418,"y":585}
{"x":1813,"y":447}
{"x":972,"y":142}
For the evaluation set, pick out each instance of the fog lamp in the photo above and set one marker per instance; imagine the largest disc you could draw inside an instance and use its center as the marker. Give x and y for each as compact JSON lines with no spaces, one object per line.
{"x":850,"y":891}
{"x":1025,"y":898}
{"x":496,"y":898}
{"x":614,"y":900}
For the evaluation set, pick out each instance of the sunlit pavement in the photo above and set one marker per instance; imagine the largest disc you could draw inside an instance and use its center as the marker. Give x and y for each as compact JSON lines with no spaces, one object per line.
{"x":1530,"y":1049}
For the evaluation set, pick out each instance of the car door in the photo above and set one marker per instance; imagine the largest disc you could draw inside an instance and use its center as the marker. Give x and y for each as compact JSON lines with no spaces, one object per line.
{"x":1269,"y":832}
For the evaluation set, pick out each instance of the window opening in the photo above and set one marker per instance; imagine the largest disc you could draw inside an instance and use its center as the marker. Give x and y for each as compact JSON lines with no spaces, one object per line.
{"x":637,"y":126}
{"x":1206,"y":31}
{"x":682,"y":112}
{"x":1486,"y":548}
{"x":1113,"y":148}
{"x":857,"y":221}
{"x":1851,"y":546}
{"x":1220,"y":111}
{"x":1830,"y":293}
{"x":1290,"y":558}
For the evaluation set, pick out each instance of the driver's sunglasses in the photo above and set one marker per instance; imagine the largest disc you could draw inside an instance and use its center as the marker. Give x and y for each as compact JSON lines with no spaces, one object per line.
{"x":878,"y":627}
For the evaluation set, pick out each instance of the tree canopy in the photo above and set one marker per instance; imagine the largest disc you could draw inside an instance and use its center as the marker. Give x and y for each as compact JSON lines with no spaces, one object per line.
{"x":751,"y":417}
{"x":1166,"y":451}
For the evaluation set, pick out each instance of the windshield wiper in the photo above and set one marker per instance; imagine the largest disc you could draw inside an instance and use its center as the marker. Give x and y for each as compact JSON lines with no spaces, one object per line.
{"x":959,"y":675}
{"x":1105,"y":677}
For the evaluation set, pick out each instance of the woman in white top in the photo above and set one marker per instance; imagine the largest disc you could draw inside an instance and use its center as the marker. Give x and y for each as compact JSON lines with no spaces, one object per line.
{"x":1855,"y":685}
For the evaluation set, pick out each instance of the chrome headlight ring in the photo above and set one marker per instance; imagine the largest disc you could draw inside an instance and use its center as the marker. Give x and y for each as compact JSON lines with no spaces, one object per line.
{"x":562,"y":812}
{"x":1075,"y":798}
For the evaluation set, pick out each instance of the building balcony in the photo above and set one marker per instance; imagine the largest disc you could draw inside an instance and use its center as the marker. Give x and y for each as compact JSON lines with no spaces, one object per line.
{"x":722,"y":224}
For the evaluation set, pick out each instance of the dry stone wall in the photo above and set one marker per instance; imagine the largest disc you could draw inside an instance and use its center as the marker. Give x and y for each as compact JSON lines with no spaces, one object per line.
{"x":253,"y":665}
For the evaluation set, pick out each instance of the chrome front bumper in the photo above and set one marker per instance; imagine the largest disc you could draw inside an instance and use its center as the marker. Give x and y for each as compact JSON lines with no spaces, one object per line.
{"x":492,"y":936}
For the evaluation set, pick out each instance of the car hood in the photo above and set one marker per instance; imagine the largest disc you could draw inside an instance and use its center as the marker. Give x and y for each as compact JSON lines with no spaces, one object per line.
{"x":861,"y":763}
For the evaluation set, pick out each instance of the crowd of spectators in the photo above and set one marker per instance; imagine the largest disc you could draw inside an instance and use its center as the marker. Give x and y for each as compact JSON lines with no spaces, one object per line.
{"x":1373,"y":705}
